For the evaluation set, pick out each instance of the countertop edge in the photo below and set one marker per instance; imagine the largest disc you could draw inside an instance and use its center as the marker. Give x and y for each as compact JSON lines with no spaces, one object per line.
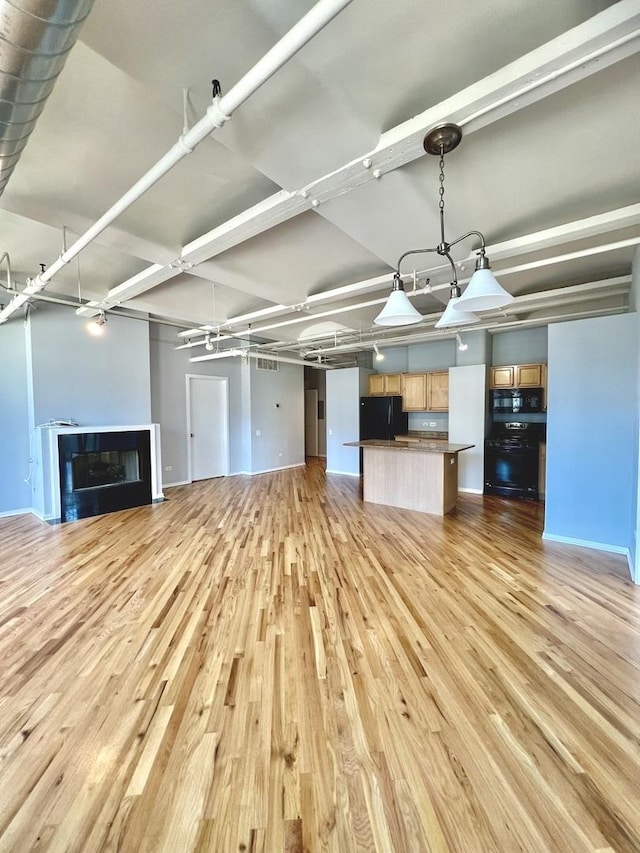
{"x":411,"y":446}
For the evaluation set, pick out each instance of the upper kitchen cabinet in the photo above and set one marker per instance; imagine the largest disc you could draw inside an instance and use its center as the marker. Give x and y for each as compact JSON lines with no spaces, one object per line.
{"x":421,"y":392}
{"x":385,"y":383}
{"x":438,"y":391}
{"x":425,"y":392}
{"x":519,"y":376}
{"x":414,"y":392}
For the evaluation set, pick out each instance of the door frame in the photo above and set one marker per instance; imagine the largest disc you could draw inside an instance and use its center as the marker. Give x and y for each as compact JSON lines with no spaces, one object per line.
{"x":315,"y":418}
{"x":225,"y":414}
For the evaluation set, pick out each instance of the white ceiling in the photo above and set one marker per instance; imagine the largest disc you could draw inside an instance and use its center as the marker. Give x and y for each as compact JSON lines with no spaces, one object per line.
{"x":551,"y":138}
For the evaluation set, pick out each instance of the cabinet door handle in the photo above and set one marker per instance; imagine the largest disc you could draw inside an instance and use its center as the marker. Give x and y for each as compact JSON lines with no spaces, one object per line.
{"x":192,"y":435}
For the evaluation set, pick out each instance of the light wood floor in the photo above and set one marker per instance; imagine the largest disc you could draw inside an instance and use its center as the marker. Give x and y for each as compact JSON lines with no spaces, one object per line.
{"x":267,"y":664}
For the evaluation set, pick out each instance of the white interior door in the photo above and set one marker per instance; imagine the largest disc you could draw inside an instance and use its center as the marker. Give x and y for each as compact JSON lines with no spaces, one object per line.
{"x":311,"y":423}
{"x":208,"y":426}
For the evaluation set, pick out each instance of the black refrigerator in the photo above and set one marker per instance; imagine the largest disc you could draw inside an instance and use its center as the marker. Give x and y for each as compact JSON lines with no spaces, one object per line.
{"x":382,"y":417}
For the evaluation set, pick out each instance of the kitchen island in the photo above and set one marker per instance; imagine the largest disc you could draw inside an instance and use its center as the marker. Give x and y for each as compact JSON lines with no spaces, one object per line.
{"x":418,"y":475}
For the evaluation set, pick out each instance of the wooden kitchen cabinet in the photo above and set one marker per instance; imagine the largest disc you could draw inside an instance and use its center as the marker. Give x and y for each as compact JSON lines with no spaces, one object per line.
{"x":385,"y":383}
{"x":518,"y":376}
{"x":414,"y":392}
{"x":529,"y":375}
{"x":502,"y":377}
{"x":425,"y":392}
{"x":421,"y":392}
{"x":438,"y":391}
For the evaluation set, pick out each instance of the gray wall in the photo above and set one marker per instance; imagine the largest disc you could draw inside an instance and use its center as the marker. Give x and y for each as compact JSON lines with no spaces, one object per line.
{"x":253,"y":395}
{"x":591,"y":480}
{"x":478,"y":349}
{"x":520,"y":346}
{"x":169,"y":368}
{"x":94,"y":380}
{"x":437,"y":355}
{"x":15,"y":494}
{"x":396,"y":360}
{"x":277,"y":411}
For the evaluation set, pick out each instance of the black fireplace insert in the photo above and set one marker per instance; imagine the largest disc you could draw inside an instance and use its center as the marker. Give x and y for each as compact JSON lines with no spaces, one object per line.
{"x":103,"y":472}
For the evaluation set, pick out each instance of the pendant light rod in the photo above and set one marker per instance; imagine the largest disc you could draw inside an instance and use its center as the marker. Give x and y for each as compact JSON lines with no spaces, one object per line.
{"x":443,"y":253}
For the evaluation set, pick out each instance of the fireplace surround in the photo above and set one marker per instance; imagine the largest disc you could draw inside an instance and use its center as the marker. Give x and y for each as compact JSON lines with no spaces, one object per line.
{"x":95,"y":470}
{"x":103,"y":472}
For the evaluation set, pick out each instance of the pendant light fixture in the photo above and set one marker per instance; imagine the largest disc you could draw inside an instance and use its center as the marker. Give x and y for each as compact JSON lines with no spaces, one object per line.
{"x":398,"y":310}
{"x":483,"y":293}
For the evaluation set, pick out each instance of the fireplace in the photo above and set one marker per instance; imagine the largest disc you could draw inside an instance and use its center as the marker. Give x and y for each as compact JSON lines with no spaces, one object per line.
{"x":103,"y":472}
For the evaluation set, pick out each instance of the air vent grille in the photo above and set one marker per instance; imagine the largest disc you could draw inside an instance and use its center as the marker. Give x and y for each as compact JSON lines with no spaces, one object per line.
{"x":263,"y":362}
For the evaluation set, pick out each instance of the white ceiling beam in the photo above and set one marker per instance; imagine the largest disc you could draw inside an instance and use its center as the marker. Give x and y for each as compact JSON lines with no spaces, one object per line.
{"x":580,"y":229}
{"x":261,"y":217}
{"x":140,"y":283}
{"x":603,"y":40}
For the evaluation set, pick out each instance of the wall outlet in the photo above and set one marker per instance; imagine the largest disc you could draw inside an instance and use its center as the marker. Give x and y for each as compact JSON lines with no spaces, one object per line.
{"x":330,"y":432}
{"x":281,"y":453}
{"x":168,"y":467}
{"x":258,"y":432}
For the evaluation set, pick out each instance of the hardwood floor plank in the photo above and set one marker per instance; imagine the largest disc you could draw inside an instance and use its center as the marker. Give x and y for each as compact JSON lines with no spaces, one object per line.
{"x":268,"y":664}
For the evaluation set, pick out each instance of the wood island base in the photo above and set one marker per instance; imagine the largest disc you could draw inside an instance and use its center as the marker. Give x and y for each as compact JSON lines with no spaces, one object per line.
{"x":419,"y":475}
{"x":426,"y":482}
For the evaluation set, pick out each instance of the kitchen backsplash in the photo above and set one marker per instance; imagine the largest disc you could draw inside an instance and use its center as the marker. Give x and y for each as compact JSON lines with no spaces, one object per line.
{"x":429,"y":421}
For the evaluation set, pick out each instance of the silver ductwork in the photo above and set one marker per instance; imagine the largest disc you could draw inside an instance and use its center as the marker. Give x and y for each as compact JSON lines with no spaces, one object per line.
{"x":35,"y":39}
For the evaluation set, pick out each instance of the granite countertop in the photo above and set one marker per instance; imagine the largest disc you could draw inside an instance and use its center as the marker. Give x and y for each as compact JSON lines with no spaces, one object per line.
{"x":423,"y":435}
{"x":412,"y":446}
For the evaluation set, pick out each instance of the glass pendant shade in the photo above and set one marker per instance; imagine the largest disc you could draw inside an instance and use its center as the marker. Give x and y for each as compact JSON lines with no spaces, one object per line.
{"x":398,"y":311}
{"x":483,"y":293}
{"x":454,"y":316}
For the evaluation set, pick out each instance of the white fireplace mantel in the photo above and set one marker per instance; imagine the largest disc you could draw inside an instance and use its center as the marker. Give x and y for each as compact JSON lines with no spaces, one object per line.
{"x":50,"y":457}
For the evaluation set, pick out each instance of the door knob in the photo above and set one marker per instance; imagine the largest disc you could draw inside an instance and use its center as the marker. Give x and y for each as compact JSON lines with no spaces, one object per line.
{"x":192,"y":435}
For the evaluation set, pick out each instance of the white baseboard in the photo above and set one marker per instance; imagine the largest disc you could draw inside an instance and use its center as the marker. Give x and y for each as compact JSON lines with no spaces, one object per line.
{"x":471,"y":491}
{"x":48,"y":518}
{"x":11,"y":512}
{"x":596,"y":546}
{"x":280,"y":468}
{"x":178,"y":483}
{"x":343,"y":473}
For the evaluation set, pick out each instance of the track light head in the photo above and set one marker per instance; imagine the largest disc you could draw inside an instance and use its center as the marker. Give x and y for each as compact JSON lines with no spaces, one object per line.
{"x":96,"y":327}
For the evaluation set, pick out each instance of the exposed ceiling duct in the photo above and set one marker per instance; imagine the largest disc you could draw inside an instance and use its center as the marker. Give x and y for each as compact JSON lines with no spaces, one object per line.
{"x":35,"y":39}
